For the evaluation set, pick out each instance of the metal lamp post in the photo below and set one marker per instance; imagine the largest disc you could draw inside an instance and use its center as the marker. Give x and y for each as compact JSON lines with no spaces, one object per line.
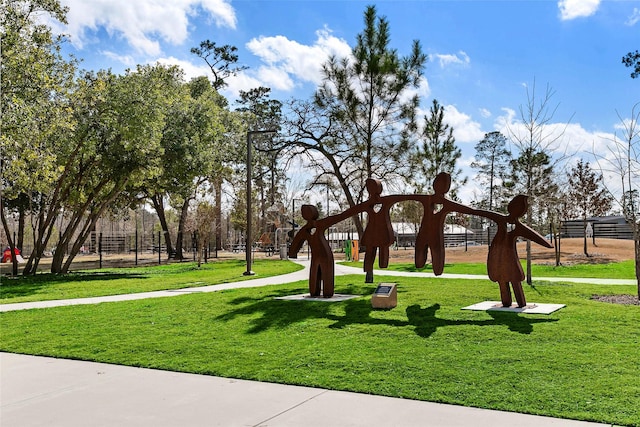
{"x":248,"y":242}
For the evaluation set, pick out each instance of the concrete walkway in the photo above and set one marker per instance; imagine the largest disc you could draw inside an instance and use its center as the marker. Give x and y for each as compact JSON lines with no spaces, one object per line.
{"x":40,"y":391}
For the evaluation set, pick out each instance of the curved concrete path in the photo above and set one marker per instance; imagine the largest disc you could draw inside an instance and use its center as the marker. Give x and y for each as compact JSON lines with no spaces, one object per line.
{"x":276,"y":280}
{"x":41,"y":391}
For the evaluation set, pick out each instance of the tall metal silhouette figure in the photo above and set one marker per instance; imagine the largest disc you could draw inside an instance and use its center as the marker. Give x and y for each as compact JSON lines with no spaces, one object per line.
{"x":503,"y":263}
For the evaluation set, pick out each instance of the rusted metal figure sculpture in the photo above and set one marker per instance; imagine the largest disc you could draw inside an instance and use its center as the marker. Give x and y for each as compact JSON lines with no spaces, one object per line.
{"x":321,"y":274}
{"x":431,"y":233}
{"x":503,"y":264}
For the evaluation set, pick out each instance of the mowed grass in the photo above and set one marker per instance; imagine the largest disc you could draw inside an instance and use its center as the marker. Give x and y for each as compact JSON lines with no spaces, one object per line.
{"x":579,"y":363}
{"x":614,"y":270}
{"x":46,"y":286}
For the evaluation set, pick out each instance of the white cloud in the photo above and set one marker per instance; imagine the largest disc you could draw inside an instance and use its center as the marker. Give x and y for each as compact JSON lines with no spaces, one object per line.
{"x":461,"y":58}
{"x":423,"y":91}
{"x":190,"y":70}
{"x":284,"y":56}
{"x":485,"y":113}
{"x":561,"y":139}
{"x":465,"y":129}
{"x":572,"y":9}
{"x":275,"y":78}
{"x":634,"y":18}
{"x":127,"y":60}
{"x":220,"y":10}
{"x":242,"y":81}
{"x":141,"y":23}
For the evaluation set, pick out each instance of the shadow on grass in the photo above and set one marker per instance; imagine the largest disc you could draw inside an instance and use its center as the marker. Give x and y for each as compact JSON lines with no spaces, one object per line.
{"x":15,"y":287}
{"x":279,"y":314}
{"x":426,"y":321}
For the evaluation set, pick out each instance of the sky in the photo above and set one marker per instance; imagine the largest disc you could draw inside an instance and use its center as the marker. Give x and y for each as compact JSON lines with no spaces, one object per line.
{"x":484,"y":56}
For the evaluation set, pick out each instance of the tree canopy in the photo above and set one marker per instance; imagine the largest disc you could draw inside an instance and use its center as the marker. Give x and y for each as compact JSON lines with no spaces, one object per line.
{"x":362,"y":117}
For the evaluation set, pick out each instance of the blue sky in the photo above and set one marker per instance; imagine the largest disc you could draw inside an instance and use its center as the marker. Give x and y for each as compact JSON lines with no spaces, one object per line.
{"x":482,"y":54}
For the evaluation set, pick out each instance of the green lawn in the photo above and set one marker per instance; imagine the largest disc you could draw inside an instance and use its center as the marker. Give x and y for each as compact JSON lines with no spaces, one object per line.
{"x":94,"y":283}
{"x":614,"y":270}
{"x":580,"y":362}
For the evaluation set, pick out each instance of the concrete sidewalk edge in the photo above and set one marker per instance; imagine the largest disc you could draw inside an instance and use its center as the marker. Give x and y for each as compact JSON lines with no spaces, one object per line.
{"x":42,"y":391}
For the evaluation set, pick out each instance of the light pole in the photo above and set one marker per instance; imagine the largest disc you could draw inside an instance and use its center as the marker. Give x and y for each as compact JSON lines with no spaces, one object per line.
{"x":248,"y":242}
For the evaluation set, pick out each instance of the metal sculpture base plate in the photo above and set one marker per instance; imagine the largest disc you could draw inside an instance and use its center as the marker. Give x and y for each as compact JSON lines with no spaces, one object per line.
{"x":531,"y":308}
{"x":308,"y":297}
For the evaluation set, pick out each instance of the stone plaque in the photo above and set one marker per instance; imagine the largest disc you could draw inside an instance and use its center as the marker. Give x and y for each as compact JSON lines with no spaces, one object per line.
{"x":385,"y":296}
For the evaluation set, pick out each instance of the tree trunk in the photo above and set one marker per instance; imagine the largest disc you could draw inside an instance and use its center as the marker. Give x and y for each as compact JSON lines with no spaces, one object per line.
{"x":636,"y":245}
{"x":12,"y":247}
{"x":158,"y":205}
{"x":347,"y":193}
{"x":40,"y":239}
{"x":528,"y":246}
{"x":555,"y":237}
{"x":584,"y":229}
{"x":181,"y":225}
{"x":89,"y":227}
{"x":21,"y":220}
{"x":58,"y":258}
{"x":218,"y":213}
{"x":529,"y":220}
{"x":78,"y":218}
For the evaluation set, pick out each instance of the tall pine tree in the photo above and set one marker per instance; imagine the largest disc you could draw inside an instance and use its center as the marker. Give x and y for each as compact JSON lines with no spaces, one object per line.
{"x":437,"y":151}
{"x":492,"y":162}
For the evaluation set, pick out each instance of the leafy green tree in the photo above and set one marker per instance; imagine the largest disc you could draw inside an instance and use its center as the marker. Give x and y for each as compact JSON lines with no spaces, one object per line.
{"x":632,"y":60}
{"x":492,"y":163}
{"x":532,"y":173}
{"x":587,"y":194}
{"x":363,"y":115}
{"x":111,"y":153}
{"x":193,"y":140}
{"x":118,"y":137}
{"x":221,"y":60}
{"x":35,"y":82}
{"x":438,"y":151}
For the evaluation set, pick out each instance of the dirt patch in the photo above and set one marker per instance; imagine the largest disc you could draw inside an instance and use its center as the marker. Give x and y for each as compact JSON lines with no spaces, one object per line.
{"x":617,"y":299}
{"x":572,"y":252}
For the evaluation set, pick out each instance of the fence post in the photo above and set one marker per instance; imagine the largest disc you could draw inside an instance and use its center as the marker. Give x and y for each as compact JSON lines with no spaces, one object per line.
{"x":159,"y":249}
{"x":466,"y":242}
{"x":136,"y":245}
{"x":100,"y":249}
